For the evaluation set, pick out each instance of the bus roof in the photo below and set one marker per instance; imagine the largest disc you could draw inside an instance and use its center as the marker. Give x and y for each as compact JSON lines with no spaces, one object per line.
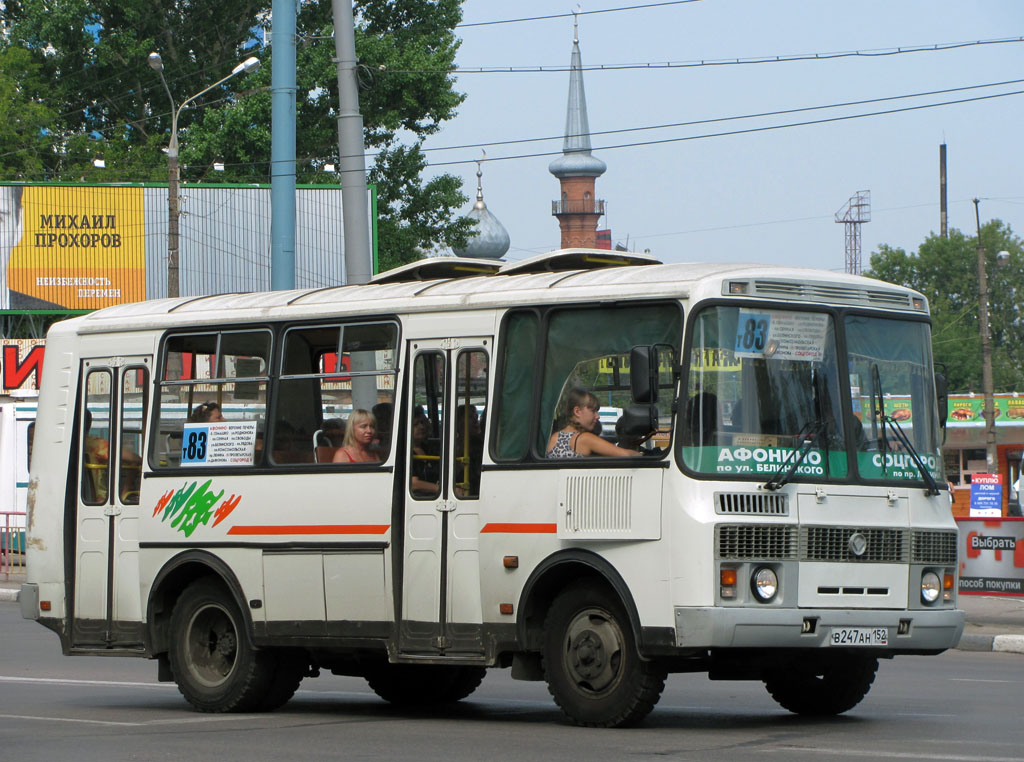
{"x":602,"y":282}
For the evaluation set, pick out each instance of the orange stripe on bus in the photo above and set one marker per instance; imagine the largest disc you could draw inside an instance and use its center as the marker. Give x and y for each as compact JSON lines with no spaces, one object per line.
{"x":311,"y":529}
{"x":520,"y":528}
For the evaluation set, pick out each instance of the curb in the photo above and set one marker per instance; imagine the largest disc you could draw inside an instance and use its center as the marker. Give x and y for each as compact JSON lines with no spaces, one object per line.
{"x":1006,"y":643}
{"x":8,"y":595}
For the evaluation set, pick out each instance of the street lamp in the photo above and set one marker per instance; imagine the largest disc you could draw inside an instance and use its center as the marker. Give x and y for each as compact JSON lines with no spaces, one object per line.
{"x":173,"y":201}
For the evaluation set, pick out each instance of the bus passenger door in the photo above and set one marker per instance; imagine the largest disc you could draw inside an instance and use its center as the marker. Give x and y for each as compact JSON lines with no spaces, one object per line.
{"x":106,"y":608}
{"x":440,"y":581}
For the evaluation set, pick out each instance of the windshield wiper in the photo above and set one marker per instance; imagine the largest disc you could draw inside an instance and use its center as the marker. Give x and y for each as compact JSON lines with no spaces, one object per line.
{"x":822,"y":403}
{"x":901,"y":437}
{"x":809,"y":435}
{"x":878,"y":414}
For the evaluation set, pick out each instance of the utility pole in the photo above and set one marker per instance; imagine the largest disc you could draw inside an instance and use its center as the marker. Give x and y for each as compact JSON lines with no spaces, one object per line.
{"x":986,"y":353}
{"x":943,"y":217}
{"x":351,"y":156}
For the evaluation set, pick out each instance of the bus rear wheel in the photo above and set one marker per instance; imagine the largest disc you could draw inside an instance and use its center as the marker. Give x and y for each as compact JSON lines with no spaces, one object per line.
{"x":591,"y":663}
{"x":214,"y":665}
{"x":423,"y":684}
{"x":826,"y":688}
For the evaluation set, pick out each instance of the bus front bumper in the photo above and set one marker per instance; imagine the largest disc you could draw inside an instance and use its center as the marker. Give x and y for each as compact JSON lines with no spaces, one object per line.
{"x":761,"y":627}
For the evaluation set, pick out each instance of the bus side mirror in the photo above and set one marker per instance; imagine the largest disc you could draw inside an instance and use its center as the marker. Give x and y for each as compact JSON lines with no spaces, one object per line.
{"x":643,"y":373}
{"x":942,"y":398}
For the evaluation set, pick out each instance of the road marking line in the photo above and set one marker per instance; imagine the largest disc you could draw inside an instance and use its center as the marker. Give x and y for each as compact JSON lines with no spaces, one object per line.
{"x":144,"y":723}
{"x":979,"y":680}
{"x":68,"y":681}
{"x":886,"y":754}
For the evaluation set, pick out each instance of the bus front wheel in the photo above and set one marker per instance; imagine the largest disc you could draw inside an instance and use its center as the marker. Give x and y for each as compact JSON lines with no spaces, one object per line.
{"x":215,"y":667}
{"x":591,"y":663}
{"x":826,"y":688}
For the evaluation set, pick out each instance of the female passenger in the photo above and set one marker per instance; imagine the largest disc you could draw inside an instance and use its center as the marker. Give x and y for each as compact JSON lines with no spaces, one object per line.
{"x":576,"y":439}
{"x":359,"y":435}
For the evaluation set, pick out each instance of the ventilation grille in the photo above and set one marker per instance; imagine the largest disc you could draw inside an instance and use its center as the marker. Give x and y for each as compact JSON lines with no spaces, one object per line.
{"x":820,"y":292}
{"x":751,"y":504}
{"x":748,"y":541}
{"x":599,"y":503}
{"x":833,"y":544}
{"x":931,"y":547}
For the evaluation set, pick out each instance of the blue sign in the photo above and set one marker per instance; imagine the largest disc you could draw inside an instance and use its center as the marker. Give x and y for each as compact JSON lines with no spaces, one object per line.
{"x":752,"y":333}
{"x":986,"y":495}
{"x":194,"y":445}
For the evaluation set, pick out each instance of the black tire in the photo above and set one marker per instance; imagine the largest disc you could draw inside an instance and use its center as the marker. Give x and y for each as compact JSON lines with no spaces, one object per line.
{"x":591,"y":663}
{"x":214,"y":665}
{"x":290,"y":666}
{"x":423,"y":684}
{"x":828,"y":688}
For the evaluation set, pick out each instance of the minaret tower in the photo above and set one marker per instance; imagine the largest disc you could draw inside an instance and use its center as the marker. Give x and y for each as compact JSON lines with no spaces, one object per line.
{"x":577,"y":210}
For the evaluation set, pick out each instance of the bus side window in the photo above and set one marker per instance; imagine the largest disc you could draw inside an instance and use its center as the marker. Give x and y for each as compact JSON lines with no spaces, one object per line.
{"x":134,"y":396}
{"x":470,"y":420}
{"x":96,"y":438}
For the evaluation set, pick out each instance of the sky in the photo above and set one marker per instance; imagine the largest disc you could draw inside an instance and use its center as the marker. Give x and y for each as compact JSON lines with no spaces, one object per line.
{"x":766,"y":196}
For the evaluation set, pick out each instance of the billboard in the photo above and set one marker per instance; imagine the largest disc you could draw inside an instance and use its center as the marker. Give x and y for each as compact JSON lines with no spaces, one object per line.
{"x":991,"y":556}
{"x":73,"y":248}
{"x":67,"y":247}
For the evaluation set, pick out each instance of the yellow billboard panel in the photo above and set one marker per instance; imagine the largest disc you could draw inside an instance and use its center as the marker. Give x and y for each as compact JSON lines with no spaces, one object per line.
{"x":72,"y":247}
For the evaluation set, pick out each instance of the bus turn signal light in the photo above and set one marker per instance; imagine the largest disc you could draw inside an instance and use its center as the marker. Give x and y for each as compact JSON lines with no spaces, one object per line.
{"x":44,"y":605}
{"x":727,"y":578}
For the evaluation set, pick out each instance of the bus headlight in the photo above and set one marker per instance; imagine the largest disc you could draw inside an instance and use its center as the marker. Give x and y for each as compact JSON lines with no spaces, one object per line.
{"x":765,"y":583}
{"x":931,"y":587}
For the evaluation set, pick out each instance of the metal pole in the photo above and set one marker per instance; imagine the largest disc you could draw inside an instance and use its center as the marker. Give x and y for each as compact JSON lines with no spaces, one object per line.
{"x":282,"y":147}
{"x":351,"y":157}
{"x":991,"y":456}
{"x":173,"y":210}
{"x":943,"y":230}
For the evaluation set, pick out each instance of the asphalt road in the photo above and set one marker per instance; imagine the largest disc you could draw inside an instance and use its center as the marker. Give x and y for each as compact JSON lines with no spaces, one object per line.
{"x":958,"y":706}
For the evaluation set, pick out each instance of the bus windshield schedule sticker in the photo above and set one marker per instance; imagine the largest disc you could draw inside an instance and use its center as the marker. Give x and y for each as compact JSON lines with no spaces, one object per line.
{"x":781,"y":335}
{"x":230,"y":443}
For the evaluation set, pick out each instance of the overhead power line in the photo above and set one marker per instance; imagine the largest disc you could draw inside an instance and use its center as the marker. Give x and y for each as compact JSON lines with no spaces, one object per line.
{"x":750,"y":130}
{"x":742,"y":61}
{"x":713,"y":120}
{"x":578,"y":13}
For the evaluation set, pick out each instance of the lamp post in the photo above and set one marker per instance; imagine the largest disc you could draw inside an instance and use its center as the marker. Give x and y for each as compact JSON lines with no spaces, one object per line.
{"x":991,"y":457}
{"x":173,"y":170}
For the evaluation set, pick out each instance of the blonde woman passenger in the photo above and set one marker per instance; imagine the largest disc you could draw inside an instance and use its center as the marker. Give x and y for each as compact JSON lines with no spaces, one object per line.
{"x":360,"y":432}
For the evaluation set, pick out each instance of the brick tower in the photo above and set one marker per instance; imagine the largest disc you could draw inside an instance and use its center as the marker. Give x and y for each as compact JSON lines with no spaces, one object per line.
{"x":578,"y":209}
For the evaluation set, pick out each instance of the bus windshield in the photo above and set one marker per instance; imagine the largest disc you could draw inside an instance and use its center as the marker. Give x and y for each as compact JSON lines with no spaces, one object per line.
{"x":765,"y":398}
{"x":890,"y":365}
{"x":763,"y":390}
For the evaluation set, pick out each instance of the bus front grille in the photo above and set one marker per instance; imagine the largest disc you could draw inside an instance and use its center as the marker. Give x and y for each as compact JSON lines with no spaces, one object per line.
{"x":834,"y":544}
{"x":934,"y":547}
{"x":747,"y":541}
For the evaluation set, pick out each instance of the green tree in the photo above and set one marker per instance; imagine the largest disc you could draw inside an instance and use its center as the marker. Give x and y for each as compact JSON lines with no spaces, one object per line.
{"x":88,"y":65}
{"x":946,"y":271}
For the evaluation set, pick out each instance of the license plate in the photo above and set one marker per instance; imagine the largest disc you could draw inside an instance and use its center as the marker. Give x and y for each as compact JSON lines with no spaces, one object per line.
{"x":859,"y":636}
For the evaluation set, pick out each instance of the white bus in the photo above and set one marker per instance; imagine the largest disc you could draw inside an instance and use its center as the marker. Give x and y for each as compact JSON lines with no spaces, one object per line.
{"x":777,"y":525}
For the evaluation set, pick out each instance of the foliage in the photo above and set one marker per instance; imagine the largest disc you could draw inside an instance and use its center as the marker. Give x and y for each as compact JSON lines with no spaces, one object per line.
{"x":75,"y":85}
{"x":946,"y":271}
